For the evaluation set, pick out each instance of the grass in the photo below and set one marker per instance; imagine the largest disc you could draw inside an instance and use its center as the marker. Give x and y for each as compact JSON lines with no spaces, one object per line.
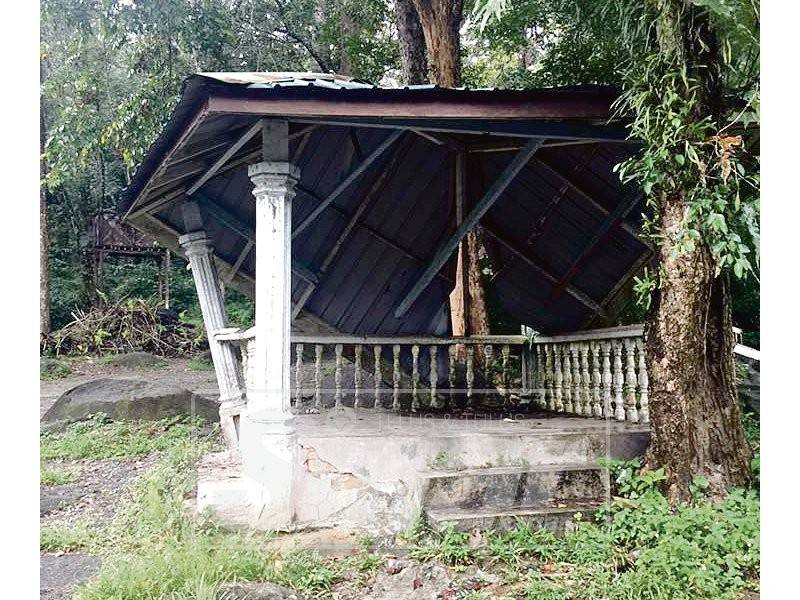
{"x":154,"y":549}
{"x":636,"y":547}
{"x":98,"y":438}
{"x":200,"y":363}
{"x":56,"y":474}
{"x":67,"y":538}
{"x":51,"y":369}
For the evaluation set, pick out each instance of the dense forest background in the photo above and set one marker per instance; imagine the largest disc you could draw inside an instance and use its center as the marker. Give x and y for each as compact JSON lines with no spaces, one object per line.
{"x":111,"y":72}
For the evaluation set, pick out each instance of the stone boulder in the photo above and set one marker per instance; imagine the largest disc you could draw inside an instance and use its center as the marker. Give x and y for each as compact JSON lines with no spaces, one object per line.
{"x":135,"y":360}
{"x":128,"y":399}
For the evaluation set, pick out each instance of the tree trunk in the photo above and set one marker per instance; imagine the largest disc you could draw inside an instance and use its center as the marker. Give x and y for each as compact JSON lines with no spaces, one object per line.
{"x":412,"y":43}
{"x":441,"y":20}
{"x":44,"y":238}
{"x":695,"y":418}
{"x":696,"y":424}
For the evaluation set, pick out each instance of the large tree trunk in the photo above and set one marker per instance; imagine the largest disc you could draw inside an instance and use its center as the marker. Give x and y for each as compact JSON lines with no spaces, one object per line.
{"x":412,"y":43}
{"x":44,"y":238}
{"x":441,"y":20}
{"x":696,"y":424}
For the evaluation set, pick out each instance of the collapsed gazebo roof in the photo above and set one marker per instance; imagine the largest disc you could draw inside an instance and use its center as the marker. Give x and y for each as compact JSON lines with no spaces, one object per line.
{"x":376,"y":197}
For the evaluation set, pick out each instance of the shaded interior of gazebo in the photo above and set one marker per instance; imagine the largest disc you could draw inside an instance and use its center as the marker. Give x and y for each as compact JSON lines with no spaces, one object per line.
{"x":378,"y":190}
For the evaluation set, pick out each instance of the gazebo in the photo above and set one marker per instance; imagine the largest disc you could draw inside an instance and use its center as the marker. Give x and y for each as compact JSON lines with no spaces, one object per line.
{"x":339,"y":206}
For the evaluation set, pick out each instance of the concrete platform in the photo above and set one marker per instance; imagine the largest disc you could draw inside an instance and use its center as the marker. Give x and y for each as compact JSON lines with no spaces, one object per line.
{"x":371,"y":471}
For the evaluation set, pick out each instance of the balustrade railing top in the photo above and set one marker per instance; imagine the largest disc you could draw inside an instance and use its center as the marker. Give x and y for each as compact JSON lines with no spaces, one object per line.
{"x":597,"y":373}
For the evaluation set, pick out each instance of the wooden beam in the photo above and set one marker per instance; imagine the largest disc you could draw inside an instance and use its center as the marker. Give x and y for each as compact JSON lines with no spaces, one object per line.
{"x":472,"y":219}
{"x":238,"y":264}
{"x":571,"y":290}
{"x":345,"y":183}
{"x":244,"y":230}
{"x":374,"y":190}
{"x":440,"y":140}
{"x":226,"y":156}
{"x":613,"y":218}
{"x":583,"y":194}
{"x":566,"y":130}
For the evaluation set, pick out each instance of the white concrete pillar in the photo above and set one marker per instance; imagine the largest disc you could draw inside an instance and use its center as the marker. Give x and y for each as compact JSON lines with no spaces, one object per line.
{"x":268,"y":443}
{"x":273,"y":190}
{"x":199,"y":252}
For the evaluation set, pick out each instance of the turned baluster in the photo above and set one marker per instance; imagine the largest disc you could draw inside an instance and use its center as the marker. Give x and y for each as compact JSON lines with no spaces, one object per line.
{"x":337,"y":377}
{"x":414,"y":377}
{"x":619,"y":409}
{"x":644,"y":384}
{"x":488,"y":354}
{"x":396,"y":377}
{"x":605,"y":351}
{"x":586,"y":381}
{"x":470,"y":374}
{"x":566,"y":368}
{"x":549,"y":374}
{"x":539,"y":378}
{"x":558,"y":379}
{"x":577,"y":379}
{"x":434,"y":374}
{"x":631,"y":413}
{"x":376,"y":352}
{"x":597,"y":382}
{"x":451,"y":371}
{"x":298,"y":374}
{"x":357,"y":376}
{"x":318,"y":375}
{"x":505,"y":352}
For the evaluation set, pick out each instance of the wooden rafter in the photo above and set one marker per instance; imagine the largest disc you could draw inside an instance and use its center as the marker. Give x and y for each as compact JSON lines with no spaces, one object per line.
{"x":582,"y":297}
{"x":582,"y":193}
{"x":612,"y":219}
{"x":345,"y":183}
{"x":481,"y":207}
{"x":374,"y":191}
{"x":226,"y":156}
{"x":235,"y":224}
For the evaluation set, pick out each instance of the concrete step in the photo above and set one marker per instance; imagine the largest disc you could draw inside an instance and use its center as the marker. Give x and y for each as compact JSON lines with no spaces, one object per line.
{"x":555,"y":518}
{"x":499,"y":487}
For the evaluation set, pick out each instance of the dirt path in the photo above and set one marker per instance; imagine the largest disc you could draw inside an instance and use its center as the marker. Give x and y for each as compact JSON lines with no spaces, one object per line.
{"x":94,"y":497}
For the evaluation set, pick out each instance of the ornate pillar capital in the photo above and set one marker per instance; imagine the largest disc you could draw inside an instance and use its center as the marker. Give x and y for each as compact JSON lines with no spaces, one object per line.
{"x":274,"y":179}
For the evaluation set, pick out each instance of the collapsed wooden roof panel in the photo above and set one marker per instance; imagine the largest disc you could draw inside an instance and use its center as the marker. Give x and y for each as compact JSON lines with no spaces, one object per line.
{"x":562,"y":235}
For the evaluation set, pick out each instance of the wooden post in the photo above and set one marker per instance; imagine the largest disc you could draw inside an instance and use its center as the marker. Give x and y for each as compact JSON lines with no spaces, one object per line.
{"x":199,"y":252}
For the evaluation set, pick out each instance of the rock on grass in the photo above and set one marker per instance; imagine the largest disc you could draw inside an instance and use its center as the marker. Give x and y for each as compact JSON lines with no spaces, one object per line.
{"x":127,"y":399}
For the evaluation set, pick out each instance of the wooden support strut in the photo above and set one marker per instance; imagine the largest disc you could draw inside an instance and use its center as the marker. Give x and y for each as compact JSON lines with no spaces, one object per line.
{"x":345,"y":183}
{"x":612,"y":219}
{"x":372,"y":193}
{"x":571,"y":290}
{"x":484,"y":204}
{"x":248,"y":234}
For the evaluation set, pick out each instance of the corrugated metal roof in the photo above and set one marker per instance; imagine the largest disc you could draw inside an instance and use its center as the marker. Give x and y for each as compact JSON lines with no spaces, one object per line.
{"x":535,"y":232}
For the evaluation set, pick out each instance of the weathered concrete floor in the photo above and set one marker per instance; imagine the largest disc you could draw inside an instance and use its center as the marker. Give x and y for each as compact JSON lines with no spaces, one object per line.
{"x":347,"y":422}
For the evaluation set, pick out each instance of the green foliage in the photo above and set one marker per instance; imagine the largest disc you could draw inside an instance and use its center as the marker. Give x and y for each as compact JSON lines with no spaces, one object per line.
{"x":53,"y":473}
{"x":51,"y":368}
{"x":99,"y":438}
{"x":636,"y":546}
{"x":67,"y":538}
